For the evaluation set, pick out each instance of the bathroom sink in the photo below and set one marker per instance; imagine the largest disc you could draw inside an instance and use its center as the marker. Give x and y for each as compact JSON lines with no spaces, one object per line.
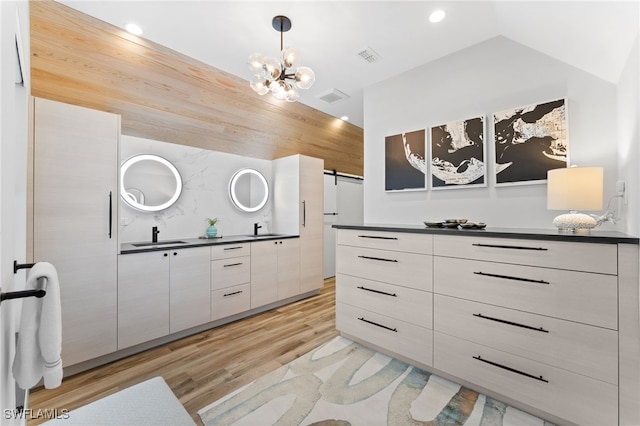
{"x":159,"y":243}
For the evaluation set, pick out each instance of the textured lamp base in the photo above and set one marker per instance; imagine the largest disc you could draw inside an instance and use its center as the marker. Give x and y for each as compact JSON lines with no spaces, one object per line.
{"x":574,"y":222}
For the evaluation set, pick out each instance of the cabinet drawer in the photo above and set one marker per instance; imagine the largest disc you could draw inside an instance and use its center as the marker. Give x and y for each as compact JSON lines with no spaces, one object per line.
{"x":405,"y":269}
{"x":397,"y":336}
{"x":563,"y":344}
{"x":406,"y":304}
{"x":229,"y":272}
{"x":601,"y":258}
{"x":226,"y":251}
{"x":578,"y":399}
{"x":396,"y":241}
{"x":575,"y":296}
{"x":230,"y":301}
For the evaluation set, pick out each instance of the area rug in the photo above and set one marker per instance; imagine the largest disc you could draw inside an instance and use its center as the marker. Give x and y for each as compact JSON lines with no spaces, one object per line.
{"x":343,"y":383}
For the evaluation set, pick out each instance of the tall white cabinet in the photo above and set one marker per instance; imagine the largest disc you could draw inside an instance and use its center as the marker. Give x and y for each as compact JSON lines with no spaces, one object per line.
{"x":298,"y":209}
{"x":75,"y":192}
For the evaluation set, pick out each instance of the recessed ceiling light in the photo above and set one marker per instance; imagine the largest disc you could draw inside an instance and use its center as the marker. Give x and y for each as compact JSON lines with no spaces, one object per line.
{"x":437,"y":16}
{"x":133,"y":28}
{"x":344,"y":118}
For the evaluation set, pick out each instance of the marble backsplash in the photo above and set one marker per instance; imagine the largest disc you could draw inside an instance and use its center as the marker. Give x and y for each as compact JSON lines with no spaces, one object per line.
{"x":205,"y":176}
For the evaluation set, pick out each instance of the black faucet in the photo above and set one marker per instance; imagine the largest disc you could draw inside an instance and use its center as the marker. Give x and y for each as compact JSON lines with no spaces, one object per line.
{"x":255,"y":228}
{"x":154,"y":234}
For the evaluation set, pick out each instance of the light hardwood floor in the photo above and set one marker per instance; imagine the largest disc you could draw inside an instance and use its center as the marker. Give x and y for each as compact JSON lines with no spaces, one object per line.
{"x":206,"y":366}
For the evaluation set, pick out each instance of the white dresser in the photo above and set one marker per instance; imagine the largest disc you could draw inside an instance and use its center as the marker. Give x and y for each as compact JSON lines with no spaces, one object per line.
{"x":543,"y":321}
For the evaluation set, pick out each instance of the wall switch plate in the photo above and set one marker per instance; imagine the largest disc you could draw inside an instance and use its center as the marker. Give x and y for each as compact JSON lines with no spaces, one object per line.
{"x":621,"y":191}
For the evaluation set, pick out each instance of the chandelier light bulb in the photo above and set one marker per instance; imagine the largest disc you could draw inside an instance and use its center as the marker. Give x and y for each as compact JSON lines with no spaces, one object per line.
{"x":305,"y":77}
{"x":290,"y":58}
{"x":291,"y":94}
{"x":259,"y":85}
{"x":255,"y":63}
{"x":271,"y":68}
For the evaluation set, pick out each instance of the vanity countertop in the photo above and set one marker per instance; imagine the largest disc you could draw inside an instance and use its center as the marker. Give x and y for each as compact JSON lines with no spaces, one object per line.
{"x":145,"y":246}
{"x":596,"y":236}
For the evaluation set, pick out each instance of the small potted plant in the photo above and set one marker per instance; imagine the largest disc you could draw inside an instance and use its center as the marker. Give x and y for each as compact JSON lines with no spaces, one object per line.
{"x":212,"y":231}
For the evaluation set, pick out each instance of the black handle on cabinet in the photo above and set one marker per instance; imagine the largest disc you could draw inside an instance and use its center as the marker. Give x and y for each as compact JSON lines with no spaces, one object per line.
{"x":515,"y":324}
{"x":232,"y":248}
{"x":231,"y":294}
{"x":378,"y":325}
{"x":331,"y":214}
{"x":508,"y":277}
{"x":378,"y":258}
{"x":175,"y":253}
{"x":166,"y":254}
{"x":232,"y":264}
{"x":304,"y":213}
{"x":110,"y":212}
{"x":513,"y":370}
{"x":377,"y":291}
{"x":509,"y":247}
{"x":377,"y":237}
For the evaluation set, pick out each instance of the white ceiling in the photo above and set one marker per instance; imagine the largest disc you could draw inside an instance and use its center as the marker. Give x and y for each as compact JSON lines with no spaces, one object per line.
{"x":595,"y":36}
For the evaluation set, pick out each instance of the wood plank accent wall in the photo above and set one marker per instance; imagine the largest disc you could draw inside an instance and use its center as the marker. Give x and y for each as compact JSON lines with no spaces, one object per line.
{"x":167,"y":96}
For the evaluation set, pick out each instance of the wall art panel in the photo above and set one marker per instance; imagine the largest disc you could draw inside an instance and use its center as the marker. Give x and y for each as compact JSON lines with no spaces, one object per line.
{"x":405,"y":165}
{"x":529,"y":141}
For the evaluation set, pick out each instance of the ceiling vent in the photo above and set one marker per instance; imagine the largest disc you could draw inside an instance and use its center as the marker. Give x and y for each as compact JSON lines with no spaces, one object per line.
{"x":369,"y":55}
{"x":333,"y":96}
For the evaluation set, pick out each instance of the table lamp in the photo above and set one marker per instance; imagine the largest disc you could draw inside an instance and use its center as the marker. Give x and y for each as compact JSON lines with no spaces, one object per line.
{"x":573,"y":189}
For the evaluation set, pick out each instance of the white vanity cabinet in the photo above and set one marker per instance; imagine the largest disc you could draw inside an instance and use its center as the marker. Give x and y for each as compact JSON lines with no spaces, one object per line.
{"x":161,"y":292}
{"x":189,"y":288}
{"x":143,"y":297}
{"x":230,"y":279}
{"x":275,"y":270}
{"x":298,"y":209}
{"x":75,"y":199}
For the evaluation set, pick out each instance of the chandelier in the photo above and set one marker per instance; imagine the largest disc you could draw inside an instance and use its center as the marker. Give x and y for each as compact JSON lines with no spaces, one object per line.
{"x":281,"y":77}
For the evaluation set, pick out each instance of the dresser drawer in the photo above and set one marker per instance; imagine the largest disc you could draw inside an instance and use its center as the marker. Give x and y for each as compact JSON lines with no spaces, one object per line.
{"x":406,"y":304}
{"x":405,"y":269}
{"x":226,"y":251}
{"x":230,"y":272}
{"x":408,"y":340}
{"x":563,"y":344}
{"x":601,"y":258}
{"x":575,"y":296}
{"x":396,"y":241}
{"x":578,"y":399}
{"x":230,"y":301}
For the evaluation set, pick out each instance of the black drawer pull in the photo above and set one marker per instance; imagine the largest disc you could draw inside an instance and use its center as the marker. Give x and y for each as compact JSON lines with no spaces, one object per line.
{"x":377,"y":237}
{"x":509,"y":247}
{"x":232,"y":248}
{"x":377,"y":291}
{"x":508,"y":277}
{"x":231,"y":294}
{"x":540,"y":329}
{"x":232,"y":264}
{"x":378,"y":258}
{"x":378,"y":325}
{"x":513,"y":370}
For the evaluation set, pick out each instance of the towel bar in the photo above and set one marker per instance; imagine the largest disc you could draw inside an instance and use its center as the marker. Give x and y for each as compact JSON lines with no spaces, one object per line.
{"x":17,"y":266}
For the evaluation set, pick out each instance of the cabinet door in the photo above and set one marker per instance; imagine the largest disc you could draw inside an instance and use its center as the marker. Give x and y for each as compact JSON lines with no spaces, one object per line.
{"x":312,"y":224}
{"x":143,"y":297}
{"x":264,"y":273}
{"x":189,"y":288}
{"x":75,"y":201}
{"x":289,"y":268}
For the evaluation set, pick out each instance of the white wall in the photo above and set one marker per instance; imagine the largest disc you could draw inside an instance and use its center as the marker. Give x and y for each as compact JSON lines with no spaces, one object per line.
{"x":629,"y":141}
{"x":13,"y":163}
{"x":482,"y":79}
{"x":205,"y":176}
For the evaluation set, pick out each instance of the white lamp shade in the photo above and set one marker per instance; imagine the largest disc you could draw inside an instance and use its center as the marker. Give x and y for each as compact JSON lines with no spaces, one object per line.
{"x":575,"y":188}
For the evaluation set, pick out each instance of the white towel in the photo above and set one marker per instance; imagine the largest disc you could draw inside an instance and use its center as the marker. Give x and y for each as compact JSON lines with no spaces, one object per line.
{"x":40,"y":339}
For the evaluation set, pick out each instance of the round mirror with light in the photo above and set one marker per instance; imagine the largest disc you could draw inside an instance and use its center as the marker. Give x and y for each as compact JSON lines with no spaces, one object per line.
{"x":248,"y":190}
{"x":149,"y":183}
